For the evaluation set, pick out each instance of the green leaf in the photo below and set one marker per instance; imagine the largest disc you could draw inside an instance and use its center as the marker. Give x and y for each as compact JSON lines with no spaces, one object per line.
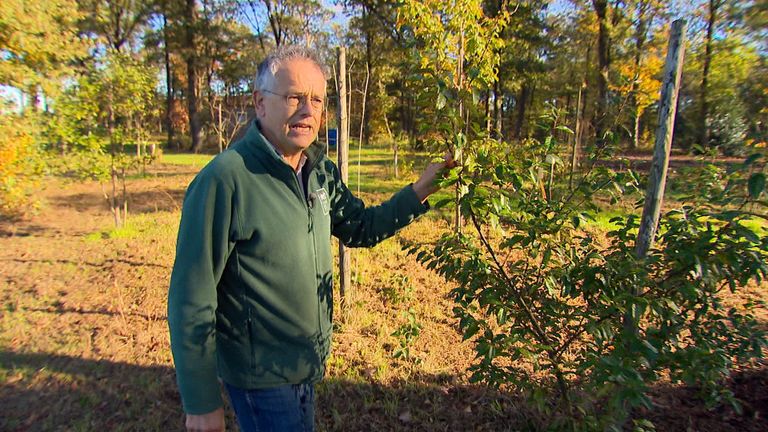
{"x":470,"y":330}
{"x":576,"y":221}
{"x":553,"y":159}
{"x":751,"y":159}
{"x":440,"y":103}
{"x":546,"y":258}
{"x":476,"y":96}
{"x":756,"y":184}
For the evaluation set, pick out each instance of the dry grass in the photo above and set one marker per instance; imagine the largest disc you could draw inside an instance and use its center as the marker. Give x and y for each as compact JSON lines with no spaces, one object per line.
{"x":84,"y":343}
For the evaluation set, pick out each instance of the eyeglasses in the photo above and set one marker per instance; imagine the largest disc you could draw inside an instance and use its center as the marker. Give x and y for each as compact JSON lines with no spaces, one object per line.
{"x":299,"y":100}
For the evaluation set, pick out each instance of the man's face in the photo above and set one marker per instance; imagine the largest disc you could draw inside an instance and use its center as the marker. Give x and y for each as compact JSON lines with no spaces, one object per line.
{"x":292,"y":128}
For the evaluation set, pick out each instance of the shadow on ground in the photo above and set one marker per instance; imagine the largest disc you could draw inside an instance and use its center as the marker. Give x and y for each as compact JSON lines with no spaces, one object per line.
{"x":58,"y":392}
{"x":42,"y":391}
{"x":425,"y":403}
{"x":681,"y":408}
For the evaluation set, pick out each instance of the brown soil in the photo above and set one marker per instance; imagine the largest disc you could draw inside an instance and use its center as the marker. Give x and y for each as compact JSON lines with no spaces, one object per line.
{"x":84,"y":344}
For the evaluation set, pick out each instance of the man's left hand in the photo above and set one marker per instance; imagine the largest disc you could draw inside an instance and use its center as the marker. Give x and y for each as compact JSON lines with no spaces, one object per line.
{"x":426,"y":185}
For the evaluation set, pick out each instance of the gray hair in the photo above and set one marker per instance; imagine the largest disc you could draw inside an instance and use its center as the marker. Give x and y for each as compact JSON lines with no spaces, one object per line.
{"x":267,"y":69}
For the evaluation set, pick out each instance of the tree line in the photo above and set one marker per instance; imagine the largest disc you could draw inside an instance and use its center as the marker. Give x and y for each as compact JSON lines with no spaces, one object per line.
{"x":97,"y":75}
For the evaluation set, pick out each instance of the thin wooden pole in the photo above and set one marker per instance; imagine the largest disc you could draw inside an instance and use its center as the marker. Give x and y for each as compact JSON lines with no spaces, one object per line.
{"x":460,"y":72}
{"x":345,"y":275}
{"x":657,"y":178}
{"x":362,"y":126}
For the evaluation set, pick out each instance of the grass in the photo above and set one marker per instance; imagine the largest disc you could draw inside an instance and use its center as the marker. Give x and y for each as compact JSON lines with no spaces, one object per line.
{"x":186,"y":159}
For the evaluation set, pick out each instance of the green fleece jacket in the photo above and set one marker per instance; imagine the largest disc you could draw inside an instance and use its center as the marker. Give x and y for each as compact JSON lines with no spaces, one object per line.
{"x":250,"y":299}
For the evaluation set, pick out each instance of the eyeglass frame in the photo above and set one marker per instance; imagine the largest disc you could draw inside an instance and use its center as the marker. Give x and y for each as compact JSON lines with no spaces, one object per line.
{"x":301,"y":100}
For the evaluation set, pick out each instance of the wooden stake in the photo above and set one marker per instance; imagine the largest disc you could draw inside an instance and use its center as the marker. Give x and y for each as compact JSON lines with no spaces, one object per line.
{"x":657,"y":177}
{"x":342,"y":148}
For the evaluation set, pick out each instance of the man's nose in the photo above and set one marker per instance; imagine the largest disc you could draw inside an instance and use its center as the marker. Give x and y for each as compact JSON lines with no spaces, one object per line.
{"x":307,"y":105}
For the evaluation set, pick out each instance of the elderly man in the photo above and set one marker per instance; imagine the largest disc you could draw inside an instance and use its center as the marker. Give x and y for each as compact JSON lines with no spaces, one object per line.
{"x":250,"y":301}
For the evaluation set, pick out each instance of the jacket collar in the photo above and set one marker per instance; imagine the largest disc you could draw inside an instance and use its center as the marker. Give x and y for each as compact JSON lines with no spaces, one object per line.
{"x":255,"y":141}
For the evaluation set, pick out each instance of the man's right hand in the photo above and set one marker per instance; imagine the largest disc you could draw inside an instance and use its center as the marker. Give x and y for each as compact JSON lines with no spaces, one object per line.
{"x":211,"y":422}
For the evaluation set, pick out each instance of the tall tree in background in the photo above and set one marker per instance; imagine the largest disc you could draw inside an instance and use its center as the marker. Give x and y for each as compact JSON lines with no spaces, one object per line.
{"x":289,"y":21}
{"x":522,"y":63}
{"x":646,"y":63}
{"x":191,"y":27}
{"x":39,"y":46}
{"x":162,"y":44}
{"x":603,"y":65}
{"x":374,"y":46}
{"x":116,"y":22}
{"x":165,"y":11}
{"x":713,"y":10}
{"x":570,"y":71}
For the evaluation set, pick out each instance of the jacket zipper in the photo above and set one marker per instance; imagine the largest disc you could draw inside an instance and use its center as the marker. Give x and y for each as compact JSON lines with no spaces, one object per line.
{"x":311,"y":230}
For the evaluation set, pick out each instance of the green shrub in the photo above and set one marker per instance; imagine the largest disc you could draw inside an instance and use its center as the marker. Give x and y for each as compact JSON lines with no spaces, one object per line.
{"x":536,"y":292}
{"x":20,"y":168}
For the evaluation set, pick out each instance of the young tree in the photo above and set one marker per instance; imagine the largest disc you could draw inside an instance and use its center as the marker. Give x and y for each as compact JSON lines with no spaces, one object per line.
{"x":100,"y":114}
{"x":535,"y":289}
{"x":458,"y":49}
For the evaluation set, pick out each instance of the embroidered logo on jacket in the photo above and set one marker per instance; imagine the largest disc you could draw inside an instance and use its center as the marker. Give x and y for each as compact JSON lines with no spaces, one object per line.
{"x":321,"y":196}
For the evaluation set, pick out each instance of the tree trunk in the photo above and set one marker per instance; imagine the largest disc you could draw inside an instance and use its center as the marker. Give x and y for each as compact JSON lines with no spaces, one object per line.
{"x":460,"y":73}
{"x":603,"y":61}
{"x":714,"y":6}
{"x":168,"y":79}
{"x":529,"y":111}
{"x":522,"y":103}
{"x":576,"y":139}
{"x":113,"y":204}
{"x":488,"y":111}
{"x":498,"y":108}
{"x":369,"y":70}
{"x":641,"y":31}
{"x":221,"y":127}
{"x":195,"y":128}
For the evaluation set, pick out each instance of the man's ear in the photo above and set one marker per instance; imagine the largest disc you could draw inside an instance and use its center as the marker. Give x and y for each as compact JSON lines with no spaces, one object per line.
{"x":258,"y":103}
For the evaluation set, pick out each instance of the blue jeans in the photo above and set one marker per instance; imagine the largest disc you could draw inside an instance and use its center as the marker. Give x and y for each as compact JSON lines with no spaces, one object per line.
{"x":289,"y":408}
